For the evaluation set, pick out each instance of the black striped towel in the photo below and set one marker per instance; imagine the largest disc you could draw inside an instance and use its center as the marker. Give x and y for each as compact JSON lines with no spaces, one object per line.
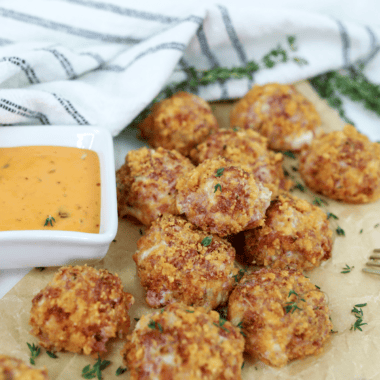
{"x":102,"y":62}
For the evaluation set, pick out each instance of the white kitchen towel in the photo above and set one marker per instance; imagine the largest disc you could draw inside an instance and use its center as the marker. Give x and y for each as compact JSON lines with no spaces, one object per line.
{"x":102,"y":62}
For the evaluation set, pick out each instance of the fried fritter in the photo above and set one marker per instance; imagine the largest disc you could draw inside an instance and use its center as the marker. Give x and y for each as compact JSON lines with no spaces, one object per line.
{"x":15,"y":369}
{"x":278,"y":112}
{"x":246,"y":147}
{"x":343,"y":165}
{"x":80,"y":310}
{"x":282,"y":315}
{"x":296,"y":235}
{"x":146,"y":183}
{"x":179,"y":123}
{"x":178,"y":262}
{"x":184,"y":343}
{"x":222,"y":197}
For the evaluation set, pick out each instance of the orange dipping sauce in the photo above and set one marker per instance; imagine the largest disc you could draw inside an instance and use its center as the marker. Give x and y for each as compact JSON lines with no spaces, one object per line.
{"x":49,"y":187}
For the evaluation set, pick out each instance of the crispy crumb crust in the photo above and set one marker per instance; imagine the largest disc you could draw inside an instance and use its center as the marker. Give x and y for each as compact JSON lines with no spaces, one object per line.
{"x":184,"y":343}
{"x":343,"y":165}
{"x":15,"y":369}
{"x":246,"y":147}
{"x":238,"y":203}
{"x":280,"y":113}
{"x":80,"y":310}
{"x":179,"y":123}
{"x":173,"y":265}
{"x":273,"y":336}
{"x":146,"y":183}
{"x":296,"y":235}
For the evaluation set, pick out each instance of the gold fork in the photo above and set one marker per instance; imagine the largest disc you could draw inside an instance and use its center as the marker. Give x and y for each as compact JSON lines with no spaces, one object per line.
{"x":374,"y":262}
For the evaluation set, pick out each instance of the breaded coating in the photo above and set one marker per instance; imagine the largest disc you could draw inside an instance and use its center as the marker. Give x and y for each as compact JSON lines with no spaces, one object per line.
{"x":222,"y":197}
{"x":80,"y":310}
{"x":246,"y":147}
{"x":180,"y":122}
{"x":343,"y":165}
{"x":15,"y":369}
{"x":282,"y":314}
{"x":278,"y":112}
{"x":146,"y":183}
{"x":296,"y":235}
{"x":184,"y":343}
{"x":178,"y":262}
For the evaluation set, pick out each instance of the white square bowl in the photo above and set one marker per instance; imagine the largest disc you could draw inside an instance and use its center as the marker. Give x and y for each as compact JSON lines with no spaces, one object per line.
{"x":41,"y":248}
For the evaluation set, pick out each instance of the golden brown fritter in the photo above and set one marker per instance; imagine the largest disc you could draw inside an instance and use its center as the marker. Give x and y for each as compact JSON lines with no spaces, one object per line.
{"x":343,"y":165}
{"x":282,"y":314}
{"x":296,"y":235}
{"x":278,"y":112}
{"x":246,"y":147}
{"x":179,"y":123}
{"x":184,"y":343}
{"x":221,"y":197}
{"x":178,"y":262}
{"x":80,"y":310}
{"x":15,"y":369}
{"x":146,"y":183}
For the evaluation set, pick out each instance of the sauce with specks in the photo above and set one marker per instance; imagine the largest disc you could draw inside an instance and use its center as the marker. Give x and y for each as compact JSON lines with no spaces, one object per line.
{"x":49,"y":187}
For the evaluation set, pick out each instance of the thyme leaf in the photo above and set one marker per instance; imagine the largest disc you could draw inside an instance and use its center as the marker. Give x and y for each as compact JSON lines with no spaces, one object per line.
{"x":34,"y":352}
{"x":340,"y":231}
{"x":99,"y":366}
{"x":347,"y":269}
{"x":218,"y":185}
{"x":219,"y":172}
{"x":50,"y":220}
{"x":120,"y":371}
{"x":206,"y":241}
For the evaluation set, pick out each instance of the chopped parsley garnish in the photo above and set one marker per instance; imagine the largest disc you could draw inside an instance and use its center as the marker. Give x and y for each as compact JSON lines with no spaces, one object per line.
{"x":218,"y":185}
{"x":34,"y":352}
{"x":340,"y":231}
{"x":219,"y":172}
{"x":207,"y":241}
{"x":347,"y":269}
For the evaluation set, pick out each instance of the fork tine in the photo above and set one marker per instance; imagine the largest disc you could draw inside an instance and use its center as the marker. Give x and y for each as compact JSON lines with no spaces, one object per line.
{"x":371,"y":270}
{"x":372,"y":264}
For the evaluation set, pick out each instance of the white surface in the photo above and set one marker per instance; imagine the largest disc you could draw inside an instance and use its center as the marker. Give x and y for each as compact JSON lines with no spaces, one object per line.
{"x":39,"y":248}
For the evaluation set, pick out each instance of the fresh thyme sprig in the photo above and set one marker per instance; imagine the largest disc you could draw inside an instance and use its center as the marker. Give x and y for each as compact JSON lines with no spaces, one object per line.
{"x":96,"y":370}
{"x":50,"y":220}
{"x":196,"y":79}
{"x":155,"y":325}
{"x":292,"y":306}
{"x":358,"y":313}
{"x":347,"y":269}
{"x":221,"y":323}
{"x":34,"y":352}
{"x":120,"y":371}
{"x":206,"y":241}
{"x":351,"y":83}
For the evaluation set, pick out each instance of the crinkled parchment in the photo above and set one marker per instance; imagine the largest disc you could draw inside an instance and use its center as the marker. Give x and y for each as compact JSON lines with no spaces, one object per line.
{"x":348,"y":355}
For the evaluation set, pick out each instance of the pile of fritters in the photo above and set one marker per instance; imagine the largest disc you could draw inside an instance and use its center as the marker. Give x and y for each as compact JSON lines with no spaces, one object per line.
{"x":199,"y":189}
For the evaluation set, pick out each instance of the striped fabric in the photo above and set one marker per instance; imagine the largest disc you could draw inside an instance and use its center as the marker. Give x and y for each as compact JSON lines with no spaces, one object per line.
{"x":93,"y":62}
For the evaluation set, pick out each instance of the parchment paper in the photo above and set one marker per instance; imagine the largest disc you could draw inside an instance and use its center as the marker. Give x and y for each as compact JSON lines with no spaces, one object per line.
{"x":348,"y":355}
